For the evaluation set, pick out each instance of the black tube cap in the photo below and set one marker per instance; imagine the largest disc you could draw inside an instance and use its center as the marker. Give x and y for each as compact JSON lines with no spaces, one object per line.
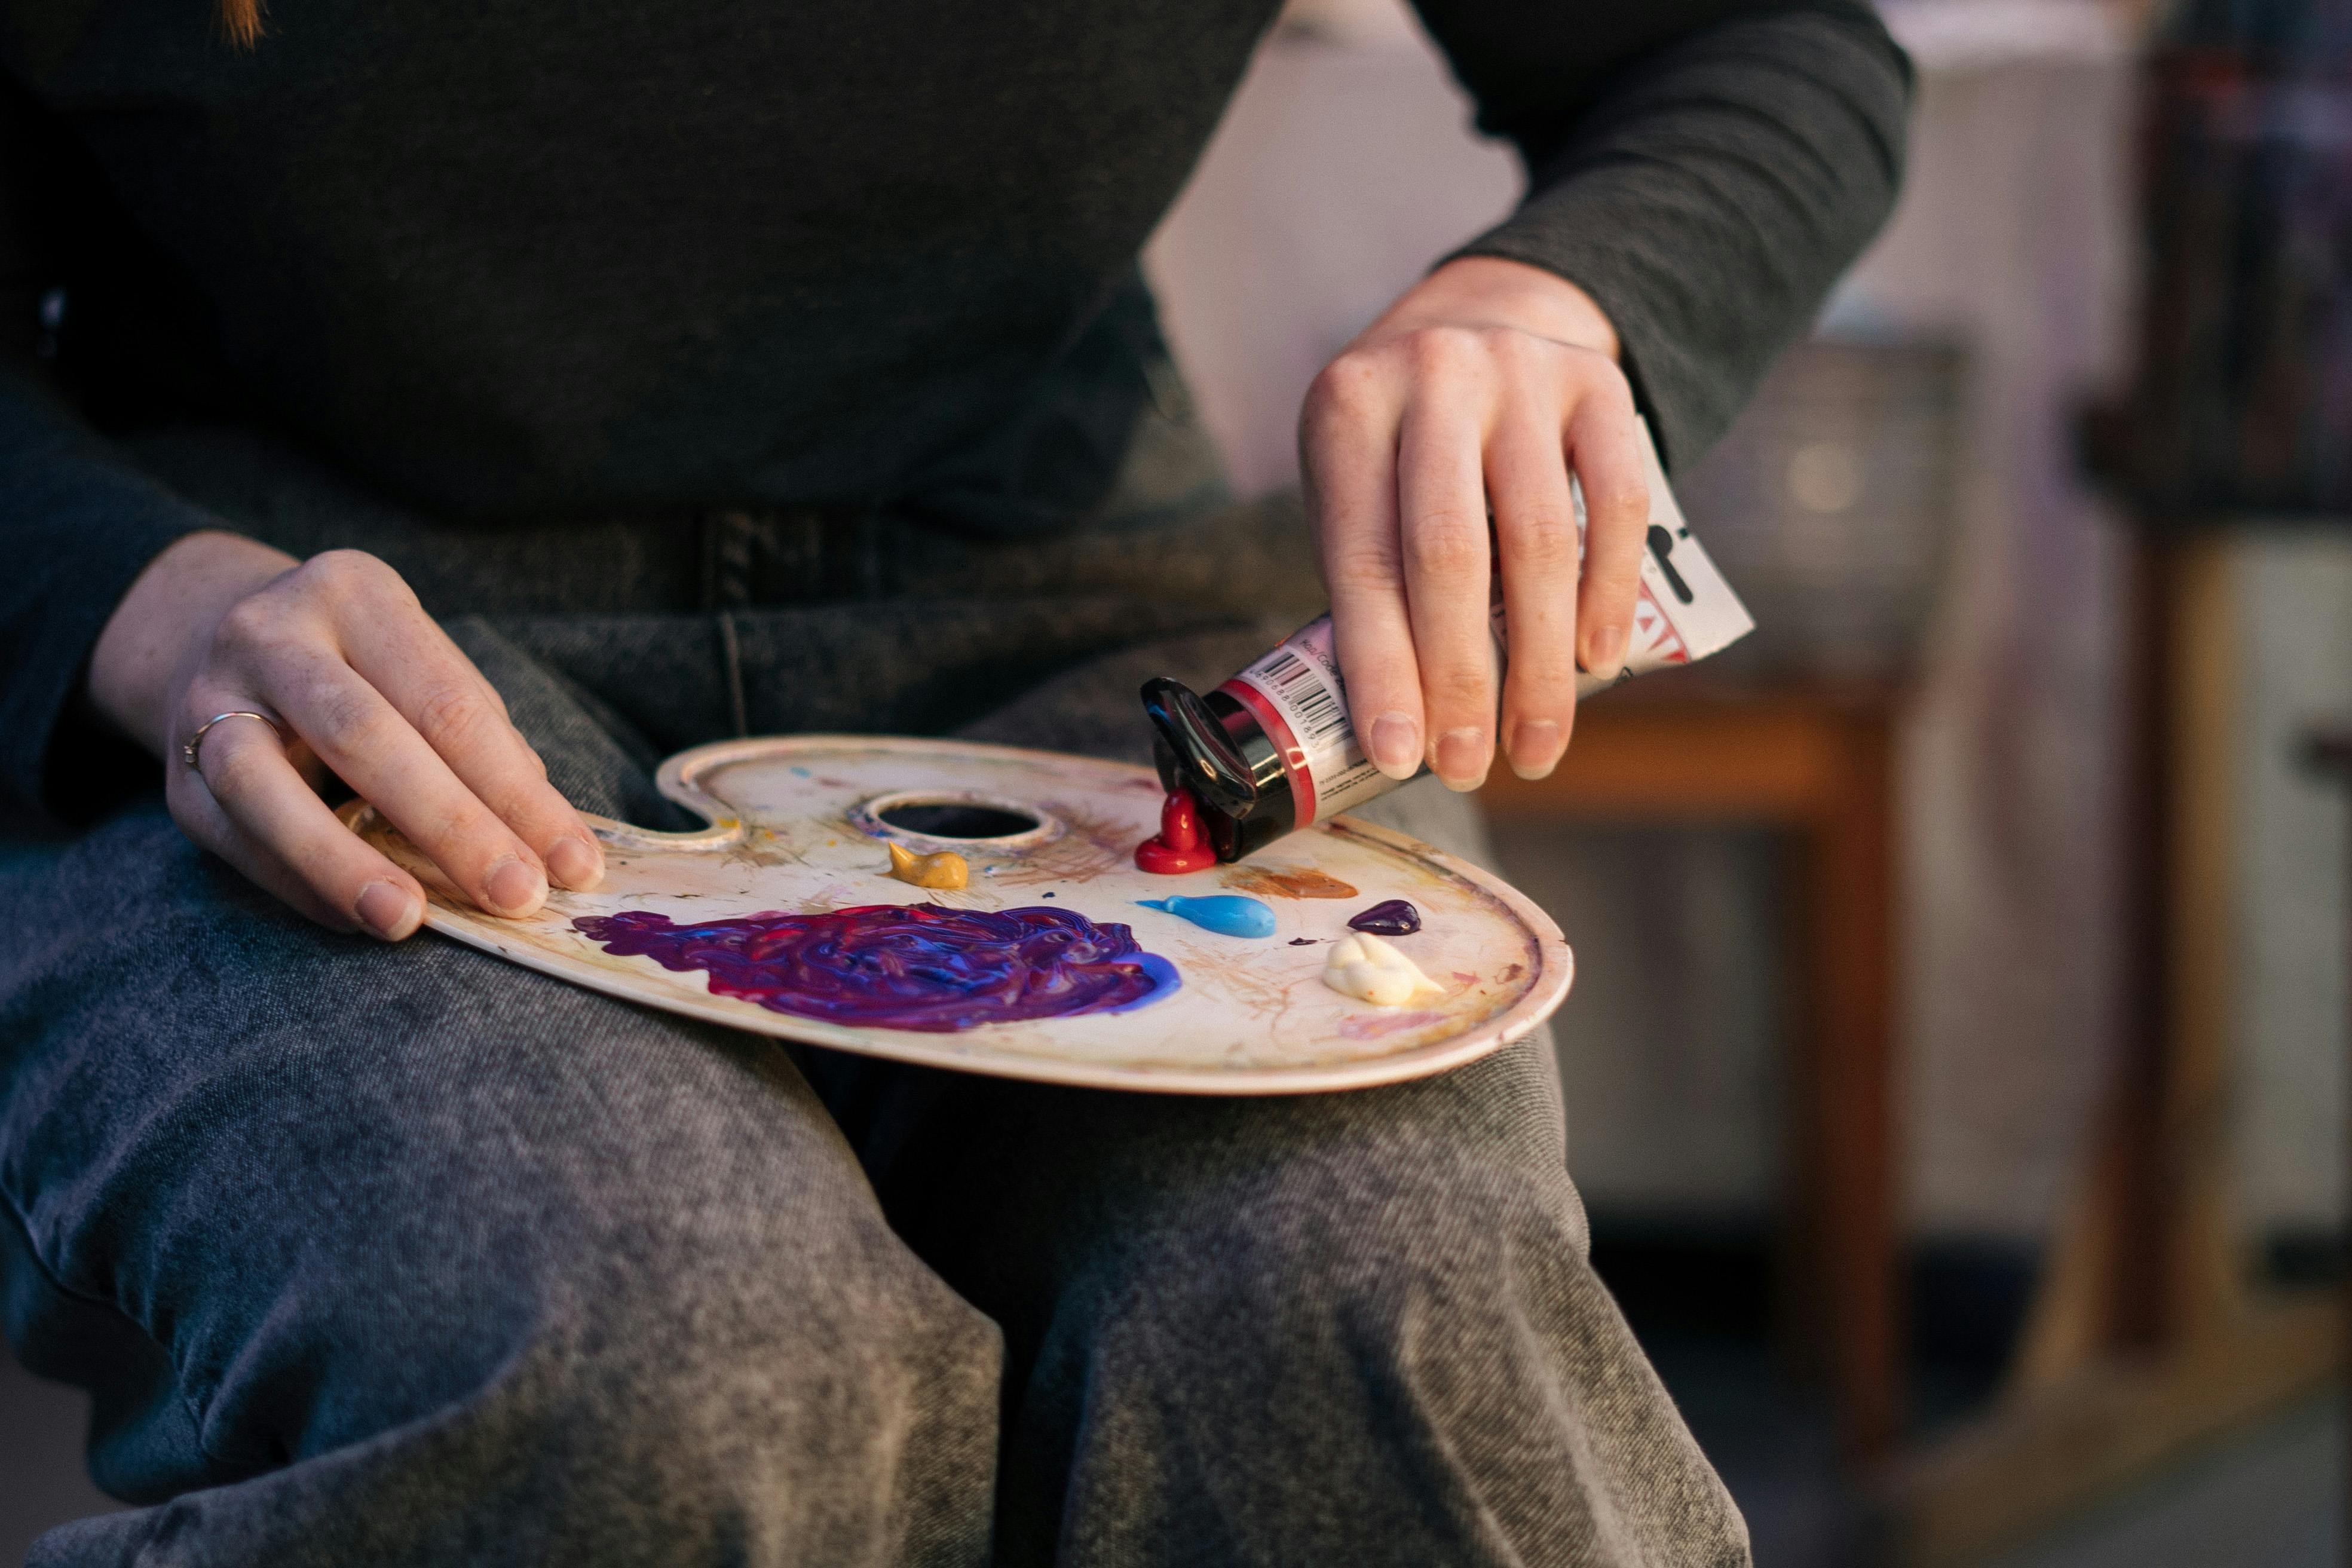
{"x":1205,"y":760}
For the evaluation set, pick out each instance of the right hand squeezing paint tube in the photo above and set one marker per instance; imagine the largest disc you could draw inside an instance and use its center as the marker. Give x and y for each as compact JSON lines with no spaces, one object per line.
{"x":1273,"y":749}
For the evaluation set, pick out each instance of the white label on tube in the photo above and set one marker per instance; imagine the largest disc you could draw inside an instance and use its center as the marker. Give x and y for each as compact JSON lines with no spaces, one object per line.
{"x":1300,"y":681}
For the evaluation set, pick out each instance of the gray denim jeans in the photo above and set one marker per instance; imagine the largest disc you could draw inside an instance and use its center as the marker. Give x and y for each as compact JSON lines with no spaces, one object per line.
{"x":405,"y":1255}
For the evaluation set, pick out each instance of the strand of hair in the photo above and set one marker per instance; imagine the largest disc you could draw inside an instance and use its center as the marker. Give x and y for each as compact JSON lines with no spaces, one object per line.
{"x":241,"y":19}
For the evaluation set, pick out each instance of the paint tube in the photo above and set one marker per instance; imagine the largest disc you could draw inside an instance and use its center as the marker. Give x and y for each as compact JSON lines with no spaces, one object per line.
{"x":1273,"y":749}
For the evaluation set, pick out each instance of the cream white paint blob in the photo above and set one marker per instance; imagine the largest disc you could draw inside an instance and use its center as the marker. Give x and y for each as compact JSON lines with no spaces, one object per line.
{"x":1362,"y":965}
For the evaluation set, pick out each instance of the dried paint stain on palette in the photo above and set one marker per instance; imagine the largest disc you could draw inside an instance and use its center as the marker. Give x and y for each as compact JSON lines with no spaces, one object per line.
{"x":917,"y":966}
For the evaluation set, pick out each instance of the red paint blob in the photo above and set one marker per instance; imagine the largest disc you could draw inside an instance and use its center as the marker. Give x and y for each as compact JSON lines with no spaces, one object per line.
{"x":1181,"y":845}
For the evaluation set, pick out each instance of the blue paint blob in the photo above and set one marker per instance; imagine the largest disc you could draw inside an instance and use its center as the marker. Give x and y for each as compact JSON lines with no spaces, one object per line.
{"x":1227,"y":914}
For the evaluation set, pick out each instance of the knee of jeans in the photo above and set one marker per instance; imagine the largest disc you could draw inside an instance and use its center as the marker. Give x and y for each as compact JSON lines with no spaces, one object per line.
{"x":813,"y":1392}
{"x":634,"y":1402}
{"x":1363,"y":1250}
{"x":758,"y":1334}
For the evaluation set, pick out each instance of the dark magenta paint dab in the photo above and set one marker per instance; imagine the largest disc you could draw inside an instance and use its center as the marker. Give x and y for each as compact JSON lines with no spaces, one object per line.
{"x":913,"y":966}
{"x":1393,"y":917}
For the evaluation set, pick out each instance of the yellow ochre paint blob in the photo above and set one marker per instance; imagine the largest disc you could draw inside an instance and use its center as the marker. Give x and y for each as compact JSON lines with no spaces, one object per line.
{"x":945,"y":869}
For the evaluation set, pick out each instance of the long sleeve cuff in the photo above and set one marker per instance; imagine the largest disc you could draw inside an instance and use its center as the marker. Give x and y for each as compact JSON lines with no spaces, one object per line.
{"x":78,"y":524}
{"x":1709,"y":201}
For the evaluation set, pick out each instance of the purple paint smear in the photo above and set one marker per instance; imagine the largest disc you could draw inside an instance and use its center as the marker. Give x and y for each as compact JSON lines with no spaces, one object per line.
{"x":1392,"y":916}
{"x":912,"y":966}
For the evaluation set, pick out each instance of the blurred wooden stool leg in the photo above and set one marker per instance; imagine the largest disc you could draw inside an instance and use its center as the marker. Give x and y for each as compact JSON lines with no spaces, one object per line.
{"x":1845,"y":1118}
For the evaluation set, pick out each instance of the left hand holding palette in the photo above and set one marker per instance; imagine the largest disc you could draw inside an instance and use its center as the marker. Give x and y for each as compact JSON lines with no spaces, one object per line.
{"x":782,"y":918}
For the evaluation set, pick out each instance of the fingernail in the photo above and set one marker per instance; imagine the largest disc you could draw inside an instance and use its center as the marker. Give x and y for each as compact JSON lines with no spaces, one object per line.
{"x":1462,"y":757}
{"x":1608,"y":650}
{"x":388,"y":909}
{"x":1535,"y":748}
{"x":514,"y":887}
{"x":575,"y":863}
{"x":1396,"y":745}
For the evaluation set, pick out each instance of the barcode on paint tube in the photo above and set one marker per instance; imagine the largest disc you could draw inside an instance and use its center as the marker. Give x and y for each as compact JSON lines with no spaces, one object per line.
{"x":1300,"y":680}
{"x":1302,"y":690}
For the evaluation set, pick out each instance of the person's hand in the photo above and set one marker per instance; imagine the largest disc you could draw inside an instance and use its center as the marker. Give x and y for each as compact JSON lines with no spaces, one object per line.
{"x":338,"y":652}
{"x":1480,"y":389}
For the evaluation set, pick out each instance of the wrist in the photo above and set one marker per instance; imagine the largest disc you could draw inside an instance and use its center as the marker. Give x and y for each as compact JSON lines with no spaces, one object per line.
{"x":1488,"y":290}
{"x":180,"y":597}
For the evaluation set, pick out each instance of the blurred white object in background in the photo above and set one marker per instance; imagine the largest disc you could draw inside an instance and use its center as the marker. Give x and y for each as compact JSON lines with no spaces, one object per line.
{"x":1946,"y":37}
{"x":2292,"y":605}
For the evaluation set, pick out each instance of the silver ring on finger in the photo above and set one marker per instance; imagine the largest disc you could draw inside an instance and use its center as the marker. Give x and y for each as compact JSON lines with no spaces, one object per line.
{"x":188,"y":752}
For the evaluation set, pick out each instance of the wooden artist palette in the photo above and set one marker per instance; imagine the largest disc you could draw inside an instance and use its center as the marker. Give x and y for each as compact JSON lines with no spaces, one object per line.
{"x":798,"y":825}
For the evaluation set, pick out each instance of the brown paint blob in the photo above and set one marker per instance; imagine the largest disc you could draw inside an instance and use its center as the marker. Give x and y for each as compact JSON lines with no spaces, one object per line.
{"x":1297,"y":883}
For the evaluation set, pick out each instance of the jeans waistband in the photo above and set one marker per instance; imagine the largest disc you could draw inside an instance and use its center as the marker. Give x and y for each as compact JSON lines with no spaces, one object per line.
{"x":1169,"y":532}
